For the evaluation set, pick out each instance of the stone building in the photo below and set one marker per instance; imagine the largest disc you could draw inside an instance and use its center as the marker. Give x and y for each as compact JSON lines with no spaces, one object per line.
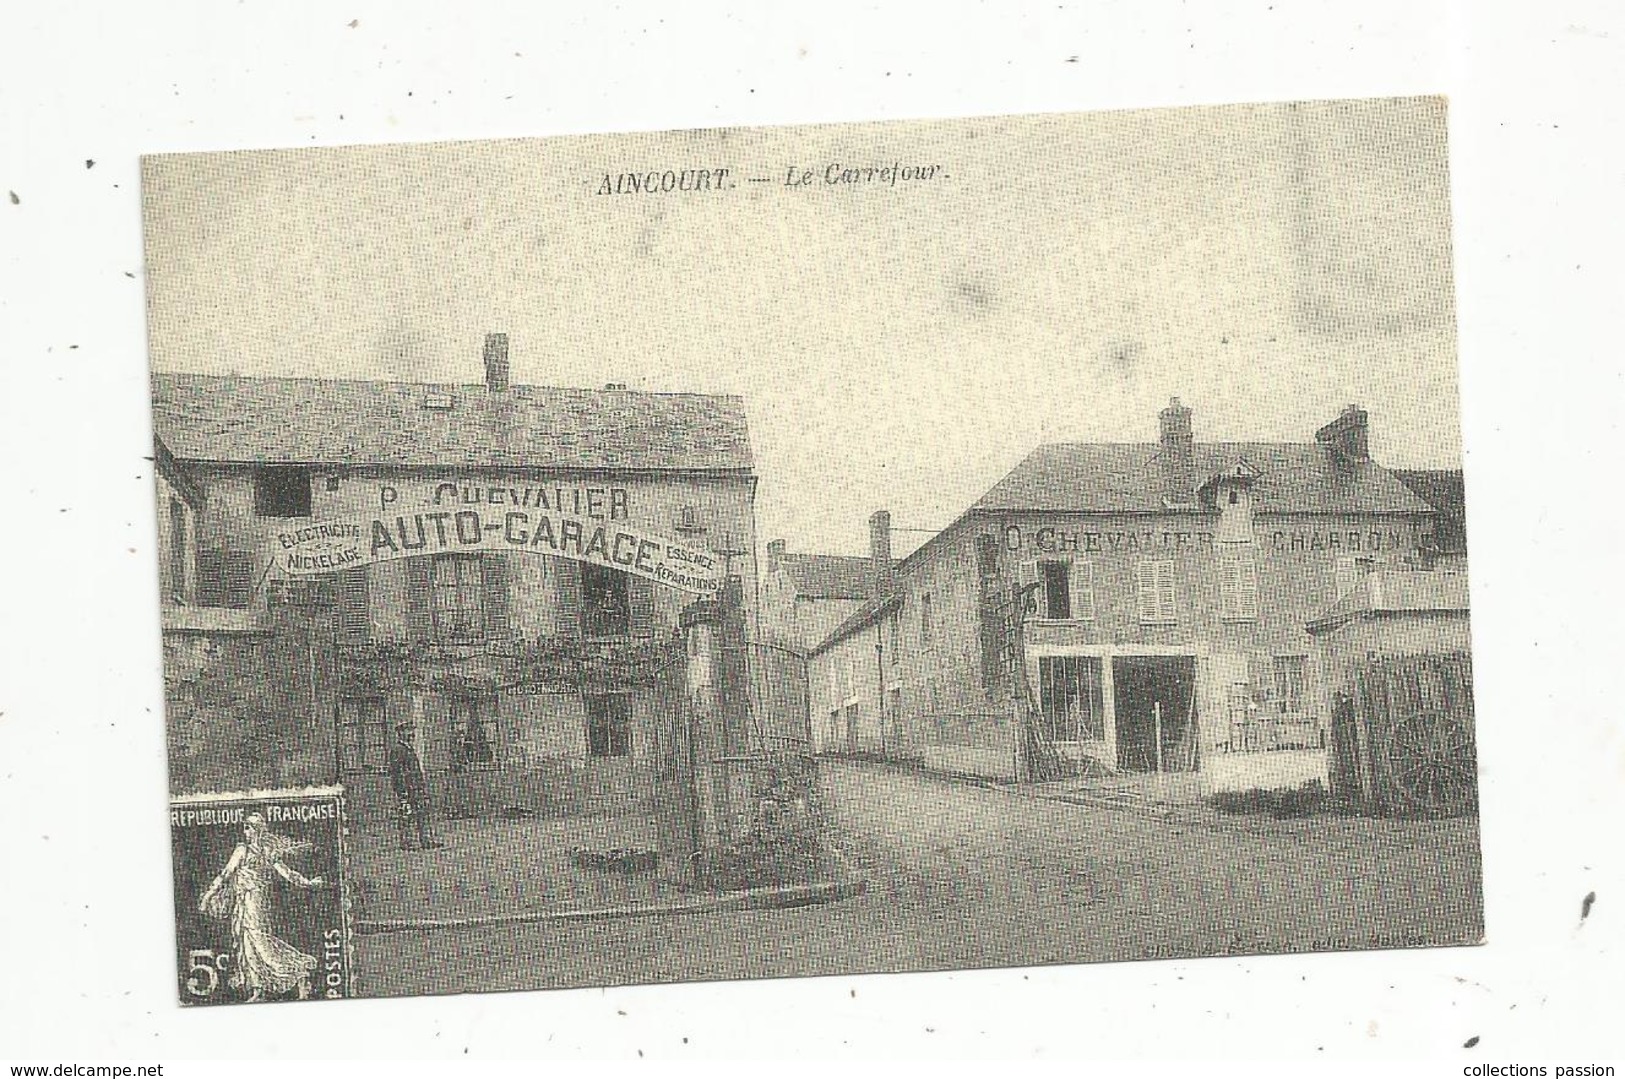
{"x":1171,"y":583}
{"x":520,"y":662}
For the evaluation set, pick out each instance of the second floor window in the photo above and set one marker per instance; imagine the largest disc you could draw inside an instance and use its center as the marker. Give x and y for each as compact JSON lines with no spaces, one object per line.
{"x":1154,"y":587}
{"x":1057,"y":593}
{"x":925,"y":619}
{"x":606,"y":602}
{"x":457,"y":591}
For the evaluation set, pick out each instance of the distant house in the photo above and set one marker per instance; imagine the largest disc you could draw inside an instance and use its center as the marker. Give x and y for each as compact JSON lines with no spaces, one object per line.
{"x":805,"y":596}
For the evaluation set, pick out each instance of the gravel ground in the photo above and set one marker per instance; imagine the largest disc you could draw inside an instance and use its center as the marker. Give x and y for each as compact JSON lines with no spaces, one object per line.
{"x":963,"y":876}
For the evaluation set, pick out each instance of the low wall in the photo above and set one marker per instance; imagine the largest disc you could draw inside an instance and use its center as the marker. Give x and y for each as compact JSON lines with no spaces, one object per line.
{"x":971,"y":761}
{"x":1262,"y":771}
{"x":562,"y":788}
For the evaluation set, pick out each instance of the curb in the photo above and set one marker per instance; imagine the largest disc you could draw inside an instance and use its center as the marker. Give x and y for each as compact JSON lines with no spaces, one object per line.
{"x":795,"y":895}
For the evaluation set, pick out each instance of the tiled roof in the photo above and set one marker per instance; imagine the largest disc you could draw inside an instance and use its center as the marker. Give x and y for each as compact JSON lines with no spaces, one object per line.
{"x":1444,"y":490}
{"x":1383,"y":592}
{"x":1128,"y":478}
{"x":828,"y":576}
{"x":1441,"y":488}
{"x":229,"y":418}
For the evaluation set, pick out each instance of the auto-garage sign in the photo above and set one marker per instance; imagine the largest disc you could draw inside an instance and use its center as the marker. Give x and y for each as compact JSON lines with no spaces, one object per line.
{"x":332,"y":546}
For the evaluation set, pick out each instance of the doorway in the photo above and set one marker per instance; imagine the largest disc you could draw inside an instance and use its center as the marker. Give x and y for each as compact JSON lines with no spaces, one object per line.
{"x":1155,"y":694}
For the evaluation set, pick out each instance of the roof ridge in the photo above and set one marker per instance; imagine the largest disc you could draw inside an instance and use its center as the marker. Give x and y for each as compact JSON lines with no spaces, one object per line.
{"x":436,"y":385}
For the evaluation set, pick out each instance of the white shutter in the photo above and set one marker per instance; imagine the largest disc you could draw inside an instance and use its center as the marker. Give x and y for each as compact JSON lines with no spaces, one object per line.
{"x":1165,"y":592}
{"x":1145,"y":588}
{"x":1083,"y":591}
{"x":1247,"y":586}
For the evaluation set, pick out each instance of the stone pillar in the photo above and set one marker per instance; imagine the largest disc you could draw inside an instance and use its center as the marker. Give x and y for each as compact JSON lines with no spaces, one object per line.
{"x":724,"y":754}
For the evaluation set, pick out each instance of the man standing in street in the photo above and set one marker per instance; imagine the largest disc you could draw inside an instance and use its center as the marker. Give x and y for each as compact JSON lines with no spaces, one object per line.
{"x":406,"y":776}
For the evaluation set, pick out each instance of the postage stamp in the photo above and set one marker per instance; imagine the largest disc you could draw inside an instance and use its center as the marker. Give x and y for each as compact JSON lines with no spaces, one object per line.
{"x":261,"y":910}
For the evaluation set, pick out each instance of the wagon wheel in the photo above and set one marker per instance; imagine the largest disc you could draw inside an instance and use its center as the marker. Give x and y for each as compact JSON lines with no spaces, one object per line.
{"x":1431,"y":764}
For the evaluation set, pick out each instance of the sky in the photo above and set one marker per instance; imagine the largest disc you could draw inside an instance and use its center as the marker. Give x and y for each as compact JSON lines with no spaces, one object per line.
{"x":897,"y":345}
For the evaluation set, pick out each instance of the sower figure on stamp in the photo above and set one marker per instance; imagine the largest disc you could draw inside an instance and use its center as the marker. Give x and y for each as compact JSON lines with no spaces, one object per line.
{"x":406,"y":776}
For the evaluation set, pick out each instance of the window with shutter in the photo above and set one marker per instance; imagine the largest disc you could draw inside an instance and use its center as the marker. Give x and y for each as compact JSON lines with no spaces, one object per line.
{"x":1154,"y":582}
{"x":457,"y":597}
{"x":605,"y":601}
{"x":566,"y":577}
{"x":1056,"y":578}
{"x":225,"y":578}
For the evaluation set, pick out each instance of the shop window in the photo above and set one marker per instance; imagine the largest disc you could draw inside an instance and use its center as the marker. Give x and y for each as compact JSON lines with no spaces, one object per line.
{"x":609,"y":725}
{"x":1071,"y":708}
{"x":1056,"y":578}
{"x":473,"y":735}
{"x":1238,"y":586}
{"x":282,"y":492}
{"x":363,"y":735}
{"x":1154,"y":586}
{"x":606,"y":601}
{"x":457,"y":589}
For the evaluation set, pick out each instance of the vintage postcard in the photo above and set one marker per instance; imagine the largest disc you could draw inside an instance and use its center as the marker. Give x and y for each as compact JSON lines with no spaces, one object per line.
{"x":825,"y":550}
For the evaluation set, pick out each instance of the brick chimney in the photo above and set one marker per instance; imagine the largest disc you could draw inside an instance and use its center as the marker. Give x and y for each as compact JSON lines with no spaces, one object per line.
{"x":496,"y":362}
{"x":1348,"y":434}
{"x":1178,"y":455}
{"x":775,"y":555}
{"x":882,"y":575}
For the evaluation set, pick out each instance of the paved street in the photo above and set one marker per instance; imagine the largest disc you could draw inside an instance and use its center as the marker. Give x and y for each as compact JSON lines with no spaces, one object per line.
{"x":962,"y":876}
